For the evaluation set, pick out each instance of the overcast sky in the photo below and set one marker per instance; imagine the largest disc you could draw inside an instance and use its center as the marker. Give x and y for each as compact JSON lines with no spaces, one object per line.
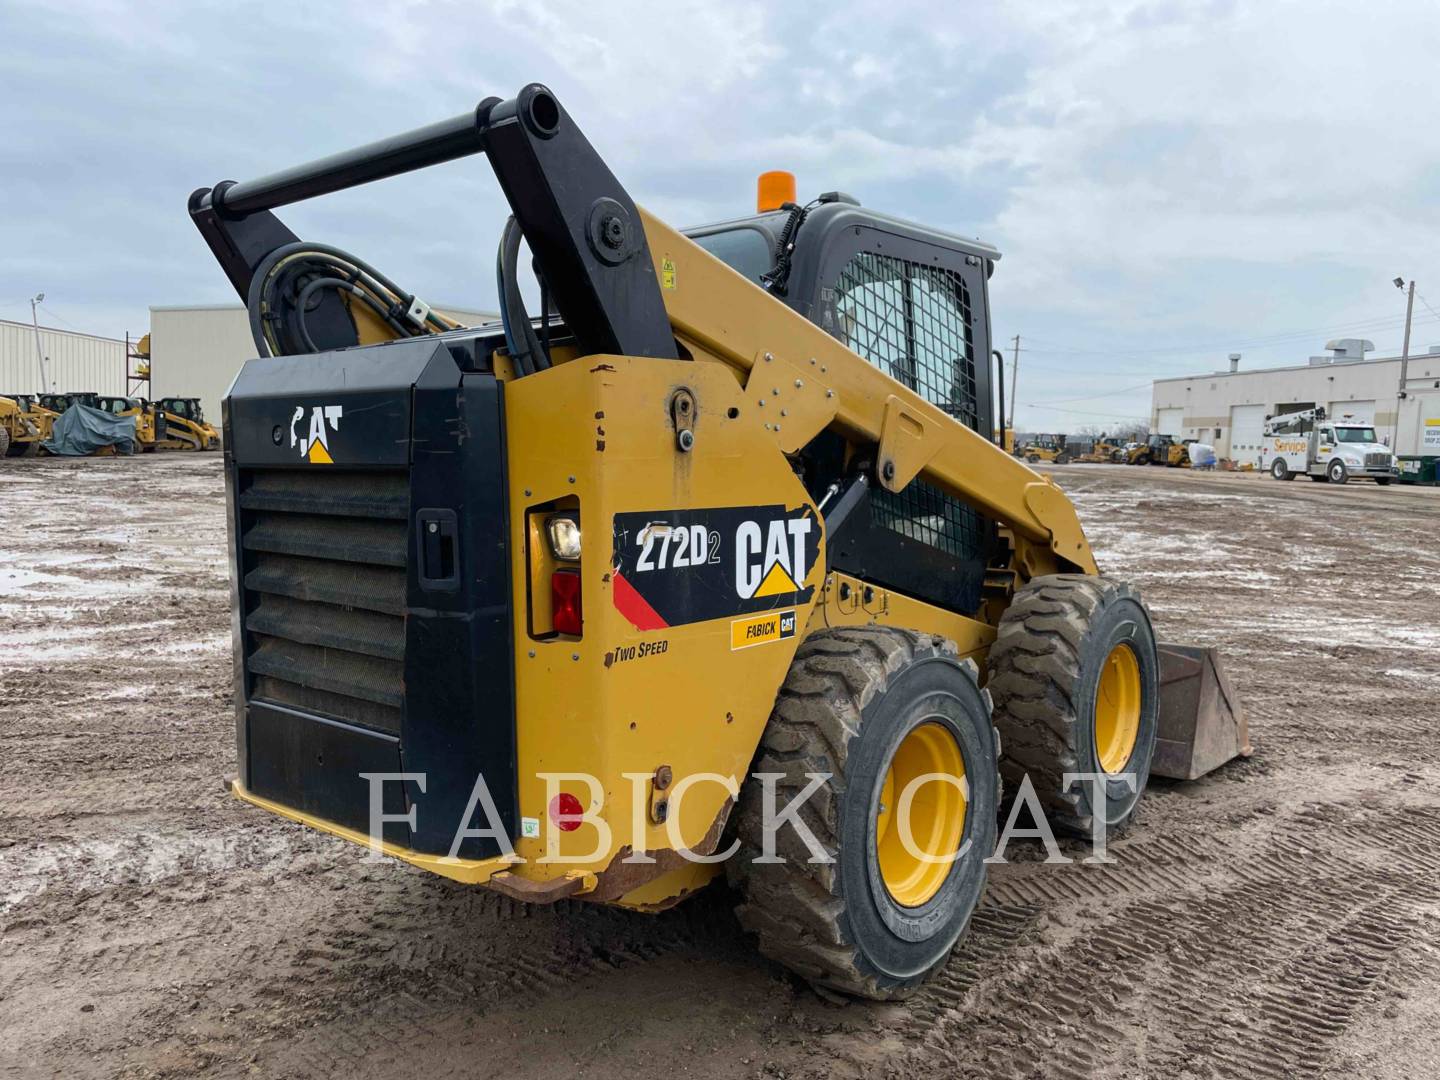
{"x":1169,"y":182}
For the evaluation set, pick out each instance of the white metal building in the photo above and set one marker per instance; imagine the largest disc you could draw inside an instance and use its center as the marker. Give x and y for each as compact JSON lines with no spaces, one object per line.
{"x":1228,"y":408}
{"x":196,"y":349}
{"x":74,"y":362}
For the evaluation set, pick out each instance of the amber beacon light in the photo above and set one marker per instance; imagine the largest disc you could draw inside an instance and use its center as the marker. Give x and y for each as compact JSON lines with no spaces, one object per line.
{"x":774,"y":190}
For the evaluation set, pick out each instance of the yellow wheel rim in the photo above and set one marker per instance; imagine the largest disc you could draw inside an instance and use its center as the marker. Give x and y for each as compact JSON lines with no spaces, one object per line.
{"x":1117,"y":709}
{"x":936,"y":812}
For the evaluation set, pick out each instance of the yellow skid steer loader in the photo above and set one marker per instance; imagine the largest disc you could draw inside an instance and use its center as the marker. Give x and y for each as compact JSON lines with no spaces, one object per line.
{"x":185,"y":426}
{"x":708,"y":567}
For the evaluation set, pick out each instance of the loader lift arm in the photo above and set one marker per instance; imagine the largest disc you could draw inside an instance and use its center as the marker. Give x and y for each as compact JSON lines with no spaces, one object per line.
{"x":823,"y":382}
{"x":597,"y":251}
{"x":580,"y":223}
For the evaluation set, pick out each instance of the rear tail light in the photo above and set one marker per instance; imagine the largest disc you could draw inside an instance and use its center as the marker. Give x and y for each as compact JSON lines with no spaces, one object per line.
{"x":566,"y":615}
{"x":566,"y":812}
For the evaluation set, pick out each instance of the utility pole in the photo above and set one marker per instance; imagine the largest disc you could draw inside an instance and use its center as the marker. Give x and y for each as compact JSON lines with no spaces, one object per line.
{"x":1404,"y":355}
{"x":1014,"y":373}
{"x":45,"y":386}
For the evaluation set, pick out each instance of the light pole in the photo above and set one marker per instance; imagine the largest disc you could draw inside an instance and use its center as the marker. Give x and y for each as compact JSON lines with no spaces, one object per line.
{"x":39,"y":352}
{"x":1404,"y":353}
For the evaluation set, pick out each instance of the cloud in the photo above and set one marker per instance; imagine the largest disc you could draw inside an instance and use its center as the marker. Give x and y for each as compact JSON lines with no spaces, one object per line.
{"x":1168,"y":181}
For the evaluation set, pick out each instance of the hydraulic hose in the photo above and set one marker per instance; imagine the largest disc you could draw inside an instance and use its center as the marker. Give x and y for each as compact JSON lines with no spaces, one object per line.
{"x":526,"y":350}
{"x":273,"y":318}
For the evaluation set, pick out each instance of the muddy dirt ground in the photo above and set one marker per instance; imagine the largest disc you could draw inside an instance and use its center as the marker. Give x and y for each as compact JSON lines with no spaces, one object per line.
{"x":1280,"y":918}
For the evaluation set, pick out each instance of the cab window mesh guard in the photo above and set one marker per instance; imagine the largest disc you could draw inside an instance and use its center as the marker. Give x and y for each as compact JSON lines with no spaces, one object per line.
{"x":914,"y":322}
{"x":926,"y":514}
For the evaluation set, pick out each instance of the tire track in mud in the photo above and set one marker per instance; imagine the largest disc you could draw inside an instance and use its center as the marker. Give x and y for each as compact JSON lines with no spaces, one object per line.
{"x":1241,"y":934}
{"x":1257,"y":968}
{"x":443,"y":983}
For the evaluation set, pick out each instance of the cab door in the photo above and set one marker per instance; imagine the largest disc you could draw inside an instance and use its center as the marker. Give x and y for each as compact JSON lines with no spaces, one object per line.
{"x":1325,"y":448}
{"x":916,"y":310}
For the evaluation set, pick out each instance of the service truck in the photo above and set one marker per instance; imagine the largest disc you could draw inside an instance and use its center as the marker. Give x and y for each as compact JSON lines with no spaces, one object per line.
{"x":1325,"y":448}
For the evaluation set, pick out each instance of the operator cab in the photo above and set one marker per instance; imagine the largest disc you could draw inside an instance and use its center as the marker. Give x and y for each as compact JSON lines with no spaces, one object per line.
{"x":913,"y":301}
{"x":60,"y":402}
{"x":184,"y":408}
{"x":117,"y":406}
{"x":908,"y":298}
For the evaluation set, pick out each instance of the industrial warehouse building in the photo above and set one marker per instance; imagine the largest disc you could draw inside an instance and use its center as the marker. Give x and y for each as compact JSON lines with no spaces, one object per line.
{"x":195,"y":351}
{"x":1228,"y":408}
{"x":72,"y":361}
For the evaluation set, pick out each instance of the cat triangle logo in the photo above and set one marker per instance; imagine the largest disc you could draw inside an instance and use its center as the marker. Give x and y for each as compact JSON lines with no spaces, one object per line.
{"x":777,"y":583}
{"x":315,"y":447}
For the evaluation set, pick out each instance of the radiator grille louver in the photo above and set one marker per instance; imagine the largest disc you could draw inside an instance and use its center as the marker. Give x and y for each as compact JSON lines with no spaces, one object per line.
{"x":325,"y":554}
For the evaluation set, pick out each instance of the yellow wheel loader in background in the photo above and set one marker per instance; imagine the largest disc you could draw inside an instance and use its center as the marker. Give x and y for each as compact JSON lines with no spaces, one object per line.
{"x":1047,"y":448}
{"x":1161,"y":450}
{"x":1094,"y":451}
{"x":583,"y":604}
{"x":24,"y":425}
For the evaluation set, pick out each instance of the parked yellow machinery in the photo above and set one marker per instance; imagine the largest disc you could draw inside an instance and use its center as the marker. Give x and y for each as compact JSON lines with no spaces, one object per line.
{"x":24,"y":425}
{"x":576,"y":606}
{"x":1160,"y":450}
{"x":1048,"y":448}
{"x":151,"y":430}
{"x":1092,"y":451}
{"x":185,"y":426}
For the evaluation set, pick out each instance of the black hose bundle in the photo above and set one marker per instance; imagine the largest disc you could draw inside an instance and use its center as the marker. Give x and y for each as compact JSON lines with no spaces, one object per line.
{"x":291,"y":282}
{"x":526,"y":350}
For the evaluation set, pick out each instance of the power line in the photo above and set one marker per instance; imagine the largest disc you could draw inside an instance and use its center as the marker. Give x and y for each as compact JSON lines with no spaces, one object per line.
{"x":1372,"y":324}
{"x":1092,"y":397}
{"x":58,"y":317}
{"x":1378,"y":322}
{"x":1080,"y":412}
{"x":1076,"y":369}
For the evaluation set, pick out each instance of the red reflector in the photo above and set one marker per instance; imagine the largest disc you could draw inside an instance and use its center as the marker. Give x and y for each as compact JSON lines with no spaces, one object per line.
{"x":565,"y":601}
{"x":566,"y":812}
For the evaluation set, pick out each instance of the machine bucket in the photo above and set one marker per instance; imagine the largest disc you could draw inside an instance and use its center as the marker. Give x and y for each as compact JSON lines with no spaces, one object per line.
{"x":1202,"y":725}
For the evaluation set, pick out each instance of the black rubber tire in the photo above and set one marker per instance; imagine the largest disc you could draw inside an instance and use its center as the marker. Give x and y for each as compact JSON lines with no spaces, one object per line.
{"x":1336,"y":472}
{"x":1062,"y":459}
{"x":1033,"y":459}
{"x":850,"y":697}
{"x":1280,"y":471}
{"x":1143,"y":459}
{"x":4,"y":442}
{"x":1045,"y":669}
{"x":1383,"y":481}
